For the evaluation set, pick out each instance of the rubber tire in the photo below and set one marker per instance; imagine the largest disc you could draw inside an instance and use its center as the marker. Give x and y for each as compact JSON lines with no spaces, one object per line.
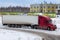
{"x":9,"y":25}
{"x":33,"y":27}
{"x":13,"y":25}
{"x":48,"y":28}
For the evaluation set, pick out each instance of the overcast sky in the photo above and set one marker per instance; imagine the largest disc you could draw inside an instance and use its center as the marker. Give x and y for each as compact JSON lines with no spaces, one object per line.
{"x":24,"y":3}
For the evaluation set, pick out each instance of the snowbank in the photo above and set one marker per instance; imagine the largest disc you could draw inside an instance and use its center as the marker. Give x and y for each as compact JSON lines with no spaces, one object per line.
{"x":14,"y":35}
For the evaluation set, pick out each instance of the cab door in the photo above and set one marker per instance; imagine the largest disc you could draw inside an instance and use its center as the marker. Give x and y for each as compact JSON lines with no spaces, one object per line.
{"x":41,"y":21}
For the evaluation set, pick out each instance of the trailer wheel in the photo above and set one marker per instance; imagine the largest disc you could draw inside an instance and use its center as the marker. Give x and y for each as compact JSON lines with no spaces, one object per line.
{"x":9,"y":25}
{"x":17,"y":26}
{"x":13,"y":25}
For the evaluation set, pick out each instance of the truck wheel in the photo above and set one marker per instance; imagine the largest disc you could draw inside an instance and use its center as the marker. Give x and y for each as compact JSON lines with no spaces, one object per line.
{"x":34,"y":27}
{"x":48,"y":28}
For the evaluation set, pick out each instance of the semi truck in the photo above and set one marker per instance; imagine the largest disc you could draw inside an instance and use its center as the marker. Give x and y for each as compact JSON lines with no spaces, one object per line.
{"x":34,"y":22}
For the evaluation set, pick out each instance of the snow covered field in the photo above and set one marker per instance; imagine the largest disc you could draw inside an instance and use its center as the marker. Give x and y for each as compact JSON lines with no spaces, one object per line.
{"x":14,"y":35}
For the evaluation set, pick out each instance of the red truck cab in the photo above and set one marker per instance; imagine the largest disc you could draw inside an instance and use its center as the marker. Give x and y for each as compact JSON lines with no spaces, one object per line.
{"x":46,"y":23}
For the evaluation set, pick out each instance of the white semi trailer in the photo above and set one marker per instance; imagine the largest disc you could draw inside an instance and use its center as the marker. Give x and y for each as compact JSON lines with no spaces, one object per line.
{"x":17,"y":20}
